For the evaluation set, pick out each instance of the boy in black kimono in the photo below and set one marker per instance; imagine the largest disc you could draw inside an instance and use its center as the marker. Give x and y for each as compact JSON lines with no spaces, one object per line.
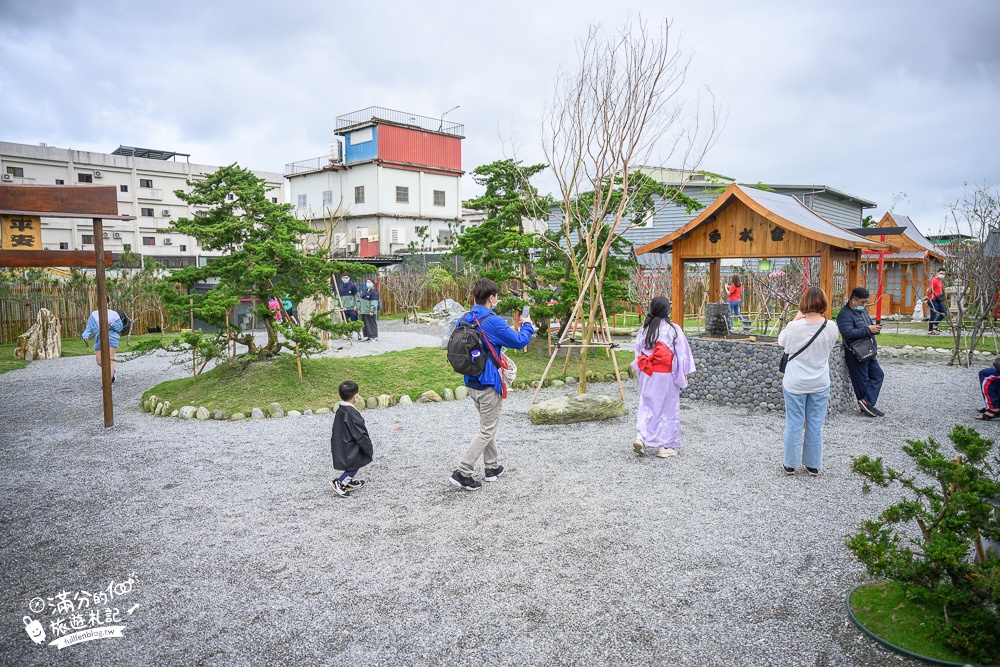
{"x":350,"y":444}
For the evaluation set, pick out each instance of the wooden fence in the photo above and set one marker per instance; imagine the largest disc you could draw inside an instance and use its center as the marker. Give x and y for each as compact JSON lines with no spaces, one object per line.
{"x":21,"y":303}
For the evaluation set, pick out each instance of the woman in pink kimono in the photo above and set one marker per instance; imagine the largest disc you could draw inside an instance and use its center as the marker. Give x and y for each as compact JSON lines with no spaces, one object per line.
{"x":663,"y":361}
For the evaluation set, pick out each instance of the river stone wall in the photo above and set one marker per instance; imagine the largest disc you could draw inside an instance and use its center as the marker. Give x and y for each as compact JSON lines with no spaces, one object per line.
{"x":743,"y":373}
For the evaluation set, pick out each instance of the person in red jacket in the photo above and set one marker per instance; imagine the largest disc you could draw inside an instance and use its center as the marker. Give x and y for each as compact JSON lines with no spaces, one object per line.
{"x":935,"y":300}
{"x":734,"y":294}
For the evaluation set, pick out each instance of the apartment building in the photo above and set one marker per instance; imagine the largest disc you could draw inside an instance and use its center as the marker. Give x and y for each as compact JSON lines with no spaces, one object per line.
{"x":145,"y":180}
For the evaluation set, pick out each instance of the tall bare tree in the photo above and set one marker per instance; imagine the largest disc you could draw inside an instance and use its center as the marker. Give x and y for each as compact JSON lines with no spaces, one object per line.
{"x":973,"y":267}
{"x":625,"y":106}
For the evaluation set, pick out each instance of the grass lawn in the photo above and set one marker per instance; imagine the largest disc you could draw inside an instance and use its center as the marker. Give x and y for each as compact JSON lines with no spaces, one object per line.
{"x":884,"y":609}
{"x":71,"y":347}
{"x":410,"y":372}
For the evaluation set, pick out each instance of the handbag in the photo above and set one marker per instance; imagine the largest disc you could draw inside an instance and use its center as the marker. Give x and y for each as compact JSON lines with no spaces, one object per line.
{"x":510,"y":372}
{"x":863,"y":349}
{"x":785,"y":358}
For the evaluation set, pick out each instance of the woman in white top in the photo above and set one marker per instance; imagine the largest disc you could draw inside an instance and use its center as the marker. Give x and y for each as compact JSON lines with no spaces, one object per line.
{"x":806,"y":383}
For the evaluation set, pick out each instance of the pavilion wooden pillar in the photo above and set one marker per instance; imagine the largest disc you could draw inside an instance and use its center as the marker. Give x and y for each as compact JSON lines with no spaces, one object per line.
{"x":677,"y":289}
{"x":102,"y":313}
{"x":852,"y":277}
{"x":714,"y":280}
{"x":826,"y":277}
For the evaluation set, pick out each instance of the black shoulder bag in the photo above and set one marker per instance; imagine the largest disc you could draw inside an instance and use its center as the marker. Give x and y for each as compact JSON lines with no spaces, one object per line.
{"x":785,"y":358}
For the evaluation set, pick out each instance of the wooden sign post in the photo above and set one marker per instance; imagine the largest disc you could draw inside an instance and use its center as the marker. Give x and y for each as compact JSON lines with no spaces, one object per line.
{"x":21,"y":209}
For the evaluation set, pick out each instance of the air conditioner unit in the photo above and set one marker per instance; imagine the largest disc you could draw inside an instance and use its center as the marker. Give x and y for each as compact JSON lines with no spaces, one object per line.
{"x":168,"y":241}
{"x":118,"y":235}
{"x":8,"y":178}
{"x":361,"y":233}
{"x":98,"y":174}
{"x":351,"y":247}
{"x":166,"y":213}
{"x":105,"y":235}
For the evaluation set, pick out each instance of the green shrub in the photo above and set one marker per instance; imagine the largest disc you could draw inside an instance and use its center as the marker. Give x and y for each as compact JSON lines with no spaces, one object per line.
{"x":924,"y":541}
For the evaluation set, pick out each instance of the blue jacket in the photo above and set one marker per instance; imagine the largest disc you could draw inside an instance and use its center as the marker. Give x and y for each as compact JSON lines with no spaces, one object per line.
{"x":853,"y":325}
{"x":93,"y":329}
{"x":496,"y":330}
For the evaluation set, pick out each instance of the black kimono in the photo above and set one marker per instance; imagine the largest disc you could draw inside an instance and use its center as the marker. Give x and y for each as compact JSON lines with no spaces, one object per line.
{"x":350,"y":444}
{"x":370,"y":320}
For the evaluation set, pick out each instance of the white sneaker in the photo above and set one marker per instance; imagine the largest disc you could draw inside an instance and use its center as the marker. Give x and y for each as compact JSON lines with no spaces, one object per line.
{"x":664,"y":452}
{"x":639,"y":446}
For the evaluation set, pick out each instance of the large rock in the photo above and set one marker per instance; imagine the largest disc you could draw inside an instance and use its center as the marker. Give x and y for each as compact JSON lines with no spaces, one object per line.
{"x":202,"y":414}
{"x":384,"y":400}
{"x":449,"y":323}
{"x":237,"y":416}
{"x":294,"y":413}
{"x":448,"y":307}
{"x":717,"y":319}
{"x":275,"y":411}
{"x":576,"y":408}
{"x":187,"y":412}
{"x":43,"y":340}
{"x":323,"y":411}
{"x":429,"y":397}
{"x":219,"y":415}
{"x":256,"y":413}
{"x":448,"y":395}
{"x":370,"y":402}
{"x":461,"y":392}
{"x":405,"y":400}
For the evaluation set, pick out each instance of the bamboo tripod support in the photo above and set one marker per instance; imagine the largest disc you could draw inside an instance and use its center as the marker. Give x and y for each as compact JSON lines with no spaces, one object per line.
{"x":600,"y":337}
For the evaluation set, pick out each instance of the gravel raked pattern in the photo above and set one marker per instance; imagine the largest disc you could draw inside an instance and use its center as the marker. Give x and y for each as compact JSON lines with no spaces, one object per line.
{"x":581,"y":554}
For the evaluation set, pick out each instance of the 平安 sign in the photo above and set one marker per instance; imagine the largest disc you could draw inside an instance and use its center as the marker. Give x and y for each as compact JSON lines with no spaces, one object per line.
{"x":21,"y":232}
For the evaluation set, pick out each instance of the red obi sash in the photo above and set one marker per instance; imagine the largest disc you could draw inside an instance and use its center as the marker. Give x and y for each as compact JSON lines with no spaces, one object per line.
{"x":660,"y":360}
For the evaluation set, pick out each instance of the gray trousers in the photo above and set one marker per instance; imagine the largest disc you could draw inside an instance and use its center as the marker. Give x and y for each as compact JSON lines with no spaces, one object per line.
{"x":484,"y":444}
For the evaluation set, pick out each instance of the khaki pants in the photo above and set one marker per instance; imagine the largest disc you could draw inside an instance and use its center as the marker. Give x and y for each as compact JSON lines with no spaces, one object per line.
{"x":484,"y":444}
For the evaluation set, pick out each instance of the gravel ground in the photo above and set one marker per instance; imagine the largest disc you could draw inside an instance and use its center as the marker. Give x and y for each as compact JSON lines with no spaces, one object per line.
{"x":582,"y":554}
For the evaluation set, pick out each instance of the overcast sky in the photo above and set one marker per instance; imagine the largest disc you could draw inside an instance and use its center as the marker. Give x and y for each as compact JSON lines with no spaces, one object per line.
{"x":883,"y":100}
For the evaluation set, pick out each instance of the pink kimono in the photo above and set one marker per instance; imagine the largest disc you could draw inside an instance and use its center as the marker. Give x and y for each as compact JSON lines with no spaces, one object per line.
{"x":659,"y":421}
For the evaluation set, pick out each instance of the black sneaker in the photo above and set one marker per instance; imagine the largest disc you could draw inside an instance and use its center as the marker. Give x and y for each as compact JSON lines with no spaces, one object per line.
{"x":354,"y":484}
{"x":113,"y":376}
{"x":788,"y":470}
{"x":467,"y":483}
{"x":866,"y":408}
{"x":878,"y":413}
{"x":491,"y":474}
{"x":339,"y":488}
{"x":813,"y":472}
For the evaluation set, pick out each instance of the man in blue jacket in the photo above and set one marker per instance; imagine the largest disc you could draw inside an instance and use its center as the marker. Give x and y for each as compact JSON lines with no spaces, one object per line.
{"x":487,"y":389}
{"x":866,"y":376}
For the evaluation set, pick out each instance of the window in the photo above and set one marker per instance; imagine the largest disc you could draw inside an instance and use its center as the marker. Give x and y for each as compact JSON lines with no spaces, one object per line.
{"x":85,"y":178}
{"x":122,"y":188}
{"x":148,"y":240}
{"x":402,"y":194}
{"x":359,"y":194}
{"x":144,"y":183}
{"x":397,"y":236}
{"x":184,"y":248}
{"x":439,"y":197}
{"x":147,"y":212}
{"x":60,"y":181}
{"x":16,"y":171}
{"x":88,"y":239}
{"x":274,"y":200}
{"x":230,"y":197}
{"x":64,"y":246}
{"x":327,"y":197}
{"x":301,"y":200}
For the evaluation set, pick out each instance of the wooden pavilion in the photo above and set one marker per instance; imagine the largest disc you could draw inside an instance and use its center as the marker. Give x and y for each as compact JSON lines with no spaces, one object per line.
{"x":906,"y":271}
{"x":748,"y":223}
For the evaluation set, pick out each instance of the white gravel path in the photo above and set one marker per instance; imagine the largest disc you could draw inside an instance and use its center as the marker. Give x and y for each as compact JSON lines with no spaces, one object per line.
{"x":582,"y":554}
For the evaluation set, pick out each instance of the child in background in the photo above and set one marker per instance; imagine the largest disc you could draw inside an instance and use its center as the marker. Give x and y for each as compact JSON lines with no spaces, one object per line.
{"x":350,"y":444}
{"x":989,"y":383}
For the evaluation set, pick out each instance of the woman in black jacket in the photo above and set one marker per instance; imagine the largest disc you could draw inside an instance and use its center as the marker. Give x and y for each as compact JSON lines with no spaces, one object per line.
{"x":866,"y":376}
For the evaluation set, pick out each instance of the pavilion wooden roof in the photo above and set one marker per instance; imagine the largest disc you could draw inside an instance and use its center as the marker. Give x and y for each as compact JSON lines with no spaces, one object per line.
{"x":782,"y":210}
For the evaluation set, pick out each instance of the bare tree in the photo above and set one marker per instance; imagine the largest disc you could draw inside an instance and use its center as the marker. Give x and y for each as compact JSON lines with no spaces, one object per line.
{"x":624,"y":107}
{"x":973,"y":271}
{"x":407,"y":286}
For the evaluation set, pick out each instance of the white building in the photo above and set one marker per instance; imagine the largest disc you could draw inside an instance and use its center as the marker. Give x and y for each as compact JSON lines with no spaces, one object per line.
{"x":395,"y":180}
{"x":145,"y":180}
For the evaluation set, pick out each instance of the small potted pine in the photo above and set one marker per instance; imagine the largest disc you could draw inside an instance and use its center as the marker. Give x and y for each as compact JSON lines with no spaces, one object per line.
{"x":932,"y":598}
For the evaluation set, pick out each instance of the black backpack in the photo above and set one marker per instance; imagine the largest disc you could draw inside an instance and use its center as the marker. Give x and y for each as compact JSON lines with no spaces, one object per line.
{"x":126,"y":324}
{"x":466,"y":352}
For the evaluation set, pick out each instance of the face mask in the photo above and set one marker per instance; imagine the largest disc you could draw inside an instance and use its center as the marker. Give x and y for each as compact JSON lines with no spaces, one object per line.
{"x":344,"y":280}
{"x":370,"y":285}
{"x":861,"y":309}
